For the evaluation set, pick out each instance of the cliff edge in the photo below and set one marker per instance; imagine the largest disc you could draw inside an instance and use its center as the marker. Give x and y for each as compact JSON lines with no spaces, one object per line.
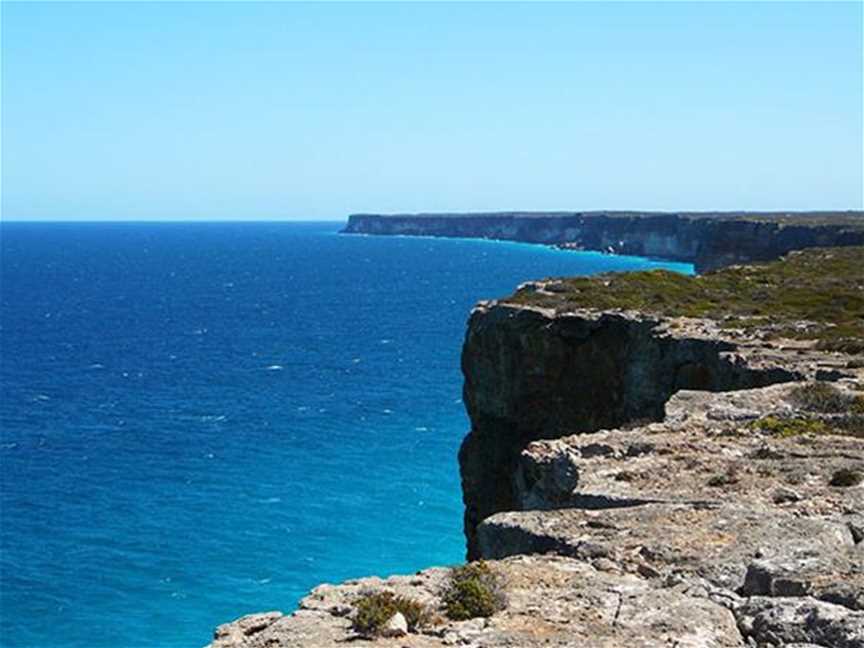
{"x":563,"y":356}
{"x":709,"y":240}
{"x":654,"y":460}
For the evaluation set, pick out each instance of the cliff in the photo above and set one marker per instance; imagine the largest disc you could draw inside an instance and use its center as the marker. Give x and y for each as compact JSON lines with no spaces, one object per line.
{"x":708,"y":240}
{"x":654,"y":460}
{"x":582,"y":354}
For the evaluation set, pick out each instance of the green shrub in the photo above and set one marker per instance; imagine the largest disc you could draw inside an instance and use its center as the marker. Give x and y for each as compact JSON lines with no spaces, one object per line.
{"x":790,"y":427}
{"x":846,"y":477}
{"x":818,"y":286}
{"x":416,"y":614}
{"x":376,"y":609}
{"x":473,"y":590}
{"x":727,"y":478}
{"x":851,"y":426}
{"x":824,"y":398}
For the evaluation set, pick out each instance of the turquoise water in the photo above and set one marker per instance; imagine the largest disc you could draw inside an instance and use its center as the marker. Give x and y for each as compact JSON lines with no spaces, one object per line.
{"x":205,"y":420}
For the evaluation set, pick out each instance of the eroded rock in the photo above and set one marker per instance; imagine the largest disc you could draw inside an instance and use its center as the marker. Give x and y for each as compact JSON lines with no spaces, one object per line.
{"x":552,"y":601}
{"x":785,"y":621}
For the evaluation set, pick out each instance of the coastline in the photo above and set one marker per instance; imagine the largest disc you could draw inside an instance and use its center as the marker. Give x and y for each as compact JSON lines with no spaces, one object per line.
{"x":580,"y":401}
{"x":687,"y":268}
{"x":707,"y":240}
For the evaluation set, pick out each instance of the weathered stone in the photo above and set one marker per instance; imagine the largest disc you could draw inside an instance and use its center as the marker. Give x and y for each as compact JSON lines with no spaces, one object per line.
{"x":552,"y":601}
{"x":397,"y":626}
{"x":716,"y":543}
{"x":834,"y":576}
{"x":692,"y":458}
{"x":531,"y":374}
{"x":784,"y":621}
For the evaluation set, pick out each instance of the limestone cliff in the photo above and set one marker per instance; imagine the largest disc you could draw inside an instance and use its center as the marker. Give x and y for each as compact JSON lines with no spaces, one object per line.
{"x":533,"y":374}
{"x":654,"y":460}
{"x":548,"y":362}
{"x":708,"y":240}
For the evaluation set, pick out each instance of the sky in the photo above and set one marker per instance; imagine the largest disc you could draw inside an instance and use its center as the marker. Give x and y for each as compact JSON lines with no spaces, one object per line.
{"x":242,"y":110}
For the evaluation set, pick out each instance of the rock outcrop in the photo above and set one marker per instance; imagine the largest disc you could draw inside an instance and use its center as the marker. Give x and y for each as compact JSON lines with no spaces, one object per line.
{"x":553,"y":601}
{"x":710,"y":491}
{"x":532,"y":374}
{"x":708,"y":240}
{"x":539,"y":365}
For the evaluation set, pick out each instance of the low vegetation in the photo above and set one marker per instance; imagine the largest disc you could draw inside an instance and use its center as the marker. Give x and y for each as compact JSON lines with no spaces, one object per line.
{"x":785,"y":428}
{"x":825,"y":409}
{"x":850,"y":220}
{"x":727,"y":478}
{"x":815,"y":294}
{"x":473,"y":590}
{"x":825,"y":398}
{"x":790,"y":427}
{"x":846,"y":477}
{"x":374,"y":611}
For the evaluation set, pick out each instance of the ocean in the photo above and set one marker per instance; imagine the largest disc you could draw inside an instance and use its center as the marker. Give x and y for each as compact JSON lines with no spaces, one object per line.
{"x":201,"y":421}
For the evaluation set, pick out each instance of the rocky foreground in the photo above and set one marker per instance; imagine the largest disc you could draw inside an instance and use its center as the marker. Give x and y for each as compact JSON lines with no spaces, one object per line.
{"x":646,"y":477}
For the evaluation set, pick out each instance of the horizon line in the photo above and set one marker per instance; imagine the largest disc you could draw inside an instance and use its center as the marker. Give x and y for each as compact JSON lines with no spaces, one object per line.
{"x":170,"y":220}
{"x":851,"y":210}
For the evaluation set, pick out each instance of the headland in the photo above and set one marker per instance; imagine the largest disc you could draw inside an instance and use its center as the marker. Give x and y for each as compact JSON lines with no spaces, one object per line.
{"x":653,"y":459}
{"x":709,"y":240}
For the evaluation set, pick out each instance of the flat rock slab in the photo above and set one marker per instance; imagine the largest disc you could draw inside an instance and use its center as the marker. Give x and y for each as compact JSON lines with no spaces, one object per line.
{"x":671,"y":540}
{"x":552,"y":601}
{"x":705,"y":452}
{"x":835,"y":577}
{"x":790,"y":621}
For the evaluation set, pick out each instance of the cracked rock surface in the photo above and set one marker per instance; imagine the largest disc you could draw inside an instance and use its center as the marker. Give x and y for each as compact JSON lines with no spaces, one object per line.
{"x":552,"y":601}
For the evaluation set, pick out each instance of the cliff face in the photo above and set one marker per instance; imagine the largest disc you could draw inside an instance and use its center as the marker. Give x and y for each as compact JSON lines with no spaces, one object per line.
{"x":567,"y":356}
{"x":531,"y":374}
{"x":709,"y":241}
{"x":654,"y":460}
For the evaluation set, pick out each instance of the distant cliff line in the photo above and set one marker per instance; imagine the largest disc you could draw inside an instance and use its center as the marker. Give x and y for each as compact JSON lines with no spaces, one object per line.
{"x":709,"y":240}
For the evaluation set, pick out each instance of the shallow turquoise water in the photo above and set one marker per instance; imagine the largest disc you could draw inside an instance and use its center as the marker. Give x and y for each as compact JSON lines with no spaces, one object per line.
{"x":205,"y":420}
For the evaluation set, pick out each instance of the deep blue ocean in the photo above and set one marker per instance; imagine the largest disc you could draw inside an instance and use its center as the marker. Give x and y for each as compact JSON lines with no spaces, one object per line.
{"x":205,"y":420}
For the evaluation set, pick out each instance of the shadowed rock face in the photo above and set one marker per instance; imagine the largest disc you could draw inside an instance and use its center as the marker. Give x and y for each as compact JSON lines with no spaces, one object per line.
{"x":532,"y":374}
{"x":709,"y":241}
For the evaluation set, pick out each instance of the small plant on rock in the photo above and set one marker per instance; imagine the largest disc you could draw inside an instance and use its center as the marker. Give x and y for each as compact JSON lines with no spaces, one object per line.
{"x":824,"y":398}
{"x":375,"y":610}
{"x":846,"y":477}
{"x":727,"y":478}
{"x":852,"y":426}
{"x":473,"y":590}
{"x":790,"y":427}
{"x":784,"y":428}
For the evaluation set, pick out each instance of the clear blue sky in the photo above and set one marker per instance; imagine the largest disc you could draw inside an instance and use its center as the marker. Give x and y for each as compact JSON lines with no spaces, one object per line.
{"x":309,"y":111}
